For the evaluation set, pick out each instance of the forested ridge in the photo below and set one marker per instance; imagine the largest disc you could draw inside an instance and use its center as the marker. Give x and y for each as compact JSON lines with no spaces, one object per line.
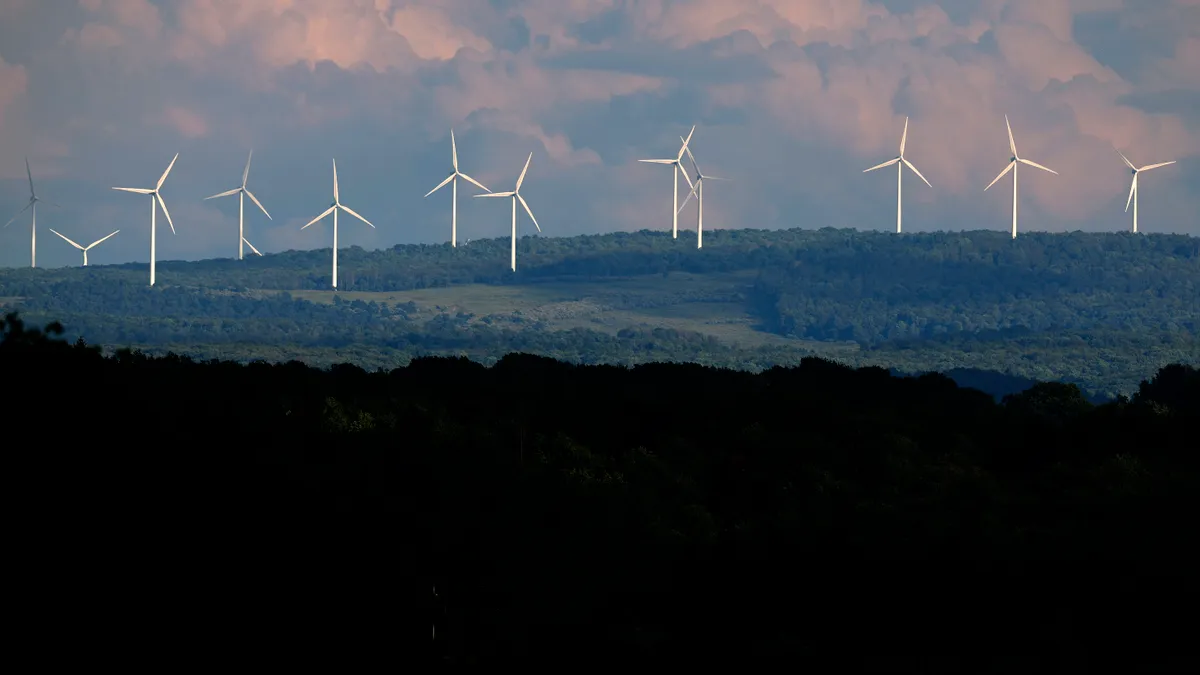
{"x":820,"y":516}
{"x":1100,"y":310}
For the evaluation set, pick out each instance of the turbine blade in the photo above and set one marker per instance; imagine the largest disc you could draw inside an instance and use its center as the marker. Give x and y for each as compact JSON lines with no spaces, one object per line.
{"x":658,"y":161}
{"x":327,"y":212}
{"x":716,"y":178}
{"x":521,"y":179}
{"x":1006,"y":170}
{"x":685,"y":176}
{"x":139,"y":191}
{"x":880,"y":166}
{"x":689,"y":196}
{"x":453,"y":151}
{"x":914,"y":170}
{"x":1132,"y":189}
{"x":535,"y":223}
{"x":441,"y":184}
{"x":1036,"y":165}
{"x":497,"y":194}
{"x":30,"y":174}
{"x":31,"y":203}
{"x":165,"y":211}
{"x":685,"y":143}
{"x":1127,"y":162}
{"x":335,"y":187}
{"x":100,"y":240}
{"x":164,"y":176}
{"x":67,"y":240}
{"x":691,"y":158}
{"x":251,"y":246}
{"x":472,"y":180}
{"x":258,"y":204}
{"x":904,"y":137}
{"x":246,"y":173}
{"x":354,"y":213}
{"x":1155,"y":166}
{"x":1012,"y":144}
{"x":226,"y":193}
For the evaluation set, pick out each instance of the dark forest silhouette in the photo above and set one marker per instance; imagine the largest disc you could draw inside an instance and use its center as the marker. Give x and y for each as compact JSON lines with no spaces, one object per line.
{"x":817,"y":516}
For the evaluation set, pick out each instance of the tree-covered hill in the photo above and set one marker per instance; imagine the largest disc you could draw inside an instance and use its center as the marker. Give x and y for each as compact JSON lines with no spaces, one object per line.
{"x":823,"y":516}
{"x":1100,"y":310}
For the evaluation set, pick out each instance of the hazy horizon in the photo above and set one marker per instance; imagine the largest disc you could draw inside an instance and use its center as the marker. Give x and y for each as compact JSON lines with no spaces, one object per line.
{"x":792,"y":100}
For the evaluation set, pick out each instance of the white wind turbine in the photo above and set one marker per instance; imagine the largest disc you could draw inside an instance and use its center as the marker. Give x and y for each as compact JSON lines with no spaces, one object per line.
{"x":243,"y":192}
{"x":154,"y":195}
{"x":85,"y":249}
{"x":1012,"y":166}
{"x":1133,"y":189}
{"x":31,"y":204}
{"x":336,"y":206}
{"x":900,"y":161}
{"x":516,"y":196}
{"x":454,"y":176}
{"x":698,"y":190}
{"x":677,"y":164}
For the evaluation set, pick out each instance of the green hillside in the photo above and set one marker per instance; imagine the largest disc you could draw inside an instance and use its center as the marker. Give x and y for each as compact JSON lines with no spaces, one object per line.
{"x":1101,"y":310}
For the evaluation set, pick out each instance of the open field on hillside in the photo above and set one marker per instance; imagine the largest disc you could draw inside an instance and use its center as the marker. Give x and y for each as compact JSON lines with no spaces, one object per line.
{"x":709,"y":304}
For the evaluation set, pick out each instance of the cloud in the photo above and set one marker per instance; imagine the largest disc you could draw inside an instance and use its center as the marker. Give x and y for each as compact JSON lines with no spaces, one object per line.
{"x":13,"y":80}
{"x":793,"y":100}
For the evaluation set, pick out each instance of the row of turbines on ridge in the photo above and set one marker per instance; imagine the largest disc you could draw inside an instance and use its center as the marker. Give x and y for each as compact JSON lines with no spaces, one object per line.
{"x":695,"y":183}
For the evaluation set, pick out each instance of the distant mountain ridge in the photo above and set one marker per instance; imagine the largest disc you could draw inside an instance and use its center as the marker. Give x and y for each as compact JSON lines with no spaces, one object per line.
{"x":1104,"y":310}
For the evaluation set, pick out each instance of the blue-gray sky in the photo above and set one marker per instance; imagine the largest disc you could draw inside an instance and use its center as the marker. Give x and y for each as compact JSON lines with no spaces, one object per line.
{"x":792,"y":98}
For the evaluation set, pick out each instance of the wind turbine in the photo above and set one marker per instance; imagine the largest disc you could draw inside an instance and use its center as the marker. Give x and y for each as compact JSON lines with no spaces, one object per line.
{"x":677,"y":163}
{"x":82,"y":248}
{"x":1012,"y":166}
{"x":154,"y":195}
{"x":243,"y":192}
{"x":698,"y":190}
{"x":454,"y":176}
{"x":336,"y":206}
{"x":31,"y":204}
{"x":516,"y":196}
{"x":1133,"y":189}
{"x":900,"y":163}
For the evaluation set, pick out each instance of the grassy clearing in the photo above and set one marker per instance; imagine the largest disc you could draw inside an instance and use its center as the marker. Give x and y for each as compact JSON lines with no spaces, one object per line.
{"x":709,"y":304}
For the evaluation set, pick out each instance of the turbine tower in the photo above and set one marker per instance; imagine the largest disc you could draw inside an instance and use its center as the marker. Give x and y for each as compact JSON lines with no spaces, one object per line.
{"x":31,"y":204}
{"x":677,"y":164}
{"x":698,"y":190}
{"x":1012,"y":166}
{"x":454,"y":176}
{"x":82,"y":248}
{"x":154,"y":195}
{"x":336,"y":206}
{"x":900,"y":161}
{"x":243,"y":192}
{"x":1133,"y":189}
{"x":516,"y":196}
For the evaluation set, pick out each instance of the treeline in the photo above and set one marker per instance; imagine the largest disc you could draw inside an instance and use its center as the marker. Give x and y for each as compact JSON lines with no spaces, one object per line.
{"x":597,"y":514}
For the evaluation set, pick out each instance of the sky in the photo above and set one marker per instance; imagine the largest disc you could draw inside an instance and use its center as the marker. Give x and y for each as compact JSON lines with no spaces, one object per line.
{"x":791,"y":99}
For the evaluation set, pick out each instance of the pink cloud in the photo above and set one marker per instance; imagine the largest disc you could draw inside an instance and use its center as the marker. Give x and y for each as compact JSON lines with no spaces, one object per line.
{"x":13,"y":81}
{"x":188,"y":123}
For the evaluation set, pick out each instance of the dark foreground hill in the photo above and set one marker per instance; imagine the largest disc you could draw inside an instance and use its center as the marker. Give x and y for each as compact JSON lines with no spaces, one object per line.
{"x":1103,"y":311}
{"x":167,"y":510}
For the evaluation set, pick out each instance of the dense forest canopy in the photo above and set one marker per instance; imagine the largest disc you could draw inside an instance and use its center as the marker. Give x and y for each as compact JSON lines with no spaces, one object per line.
{"x":1100,"y":310}
{"x":666,"y":513}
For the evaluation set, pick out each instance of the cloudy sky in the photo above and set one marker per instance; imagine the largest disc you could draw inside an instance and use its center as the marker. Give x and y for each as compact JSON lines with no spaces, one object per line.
{"x":792,"y":98}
